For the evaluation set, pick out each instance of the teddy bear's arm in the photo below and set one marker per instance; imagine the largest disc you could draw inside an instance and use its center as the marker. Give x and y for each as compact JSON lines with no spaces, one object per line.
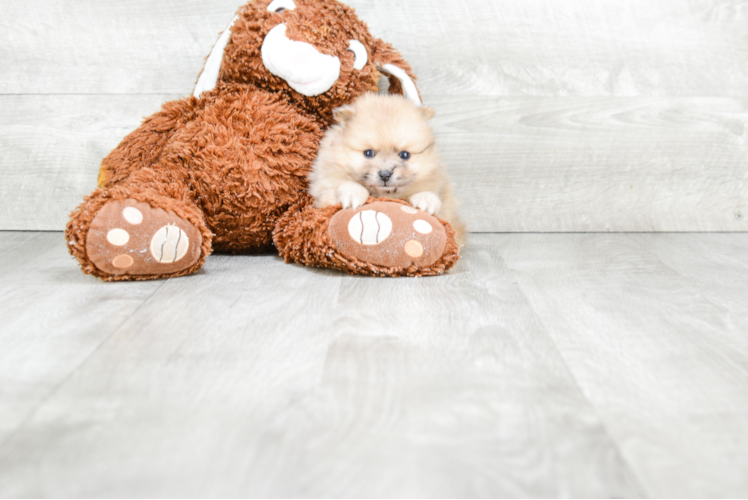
{"x":142,"y":147}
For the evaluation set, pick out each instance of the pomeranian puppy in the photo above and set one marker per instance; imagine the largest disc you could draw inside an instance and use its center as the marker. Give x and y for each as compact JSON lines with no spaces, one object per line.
{"x":382,"y":146}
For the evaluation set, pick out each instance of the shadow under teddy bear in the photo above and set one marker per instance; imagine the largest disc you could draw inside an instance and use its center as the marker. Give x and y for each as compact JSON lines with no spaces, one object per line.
{"x":226,"y":169}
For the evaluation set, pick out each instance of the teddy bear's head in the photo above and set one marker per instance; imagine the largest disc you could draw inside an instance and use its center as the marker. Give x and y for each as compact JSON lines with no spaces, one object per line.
{"x":316,"y":51}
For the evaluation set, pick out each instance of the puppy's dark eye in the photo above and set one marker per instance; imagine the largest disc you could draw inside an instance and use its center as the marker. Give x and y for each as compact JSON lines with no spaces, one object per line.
{"x":405,"y":155}
{"x":369,"y":153}
{"x":280,"y":9}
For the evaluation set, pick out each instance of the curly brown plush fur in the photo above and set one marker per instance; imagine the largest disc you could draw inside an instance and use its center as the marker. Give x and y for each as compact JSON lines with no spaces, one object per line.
{"x":303,"y":237}
{"x":234,"y":162}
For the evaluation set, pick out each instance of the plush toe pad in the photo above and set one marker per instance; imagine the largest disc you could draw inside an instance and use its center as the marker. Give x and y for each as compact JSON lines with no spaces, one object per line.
{"x":131,"y":237}
{"x":388,"y":234}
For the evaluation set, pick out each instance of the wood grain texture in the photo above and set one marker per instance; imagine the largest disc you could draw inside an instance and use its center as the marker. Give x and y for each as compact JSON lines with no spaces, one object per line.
{"x":553,"y":115}
{"x":549,"y":164}
{"x":481,"y":47}
{"x":52,"y":318}
{"x":51,"y":147}
{"x":107,"y":47}
{"x":568,"y":47}
{"x":519,"y":164}
{"x":656,"y":345}
{"x":716,"y":265}
{"x":257,"y":378}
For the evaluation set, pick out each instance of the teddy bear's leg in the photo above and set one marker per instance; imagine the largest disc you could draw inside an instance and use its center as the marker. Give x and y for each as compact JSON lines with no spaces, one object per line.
{"x":146,"y":227}
{"x":143,"y":147}
{"x":382,"y":238}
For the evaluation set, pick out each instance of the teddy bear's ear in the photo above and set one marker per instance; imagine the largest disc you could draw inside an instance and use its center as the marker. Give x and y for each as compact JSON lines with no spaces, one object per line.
{"x":398,"y":71}
{"x":209,"y":76}
{"x":343,"y":114}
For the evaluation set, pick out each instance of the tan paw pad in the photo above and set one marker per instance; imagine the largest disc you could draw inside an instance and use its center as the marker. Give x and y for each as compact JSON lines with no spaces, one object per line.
{"x":413,"y":248}
{"x":123,"y":261}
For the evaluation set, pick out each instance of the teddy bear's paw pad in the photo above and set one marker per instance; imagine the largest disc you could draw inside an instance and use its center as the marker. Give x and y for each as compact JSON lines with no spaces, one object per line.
{"x":131,"y":237}
{"x":388,"y":234}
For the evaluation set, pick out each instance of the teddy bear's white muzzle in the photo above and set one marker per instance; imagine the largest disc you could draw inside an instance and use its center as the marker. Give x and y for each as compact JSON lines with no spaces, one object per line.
{"x":307,"y":71}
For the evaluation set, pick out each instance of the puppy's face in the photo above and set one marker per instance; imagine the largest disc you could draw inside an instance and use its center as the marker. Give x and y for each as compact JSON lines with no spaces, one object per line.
{"x":386,"y":143}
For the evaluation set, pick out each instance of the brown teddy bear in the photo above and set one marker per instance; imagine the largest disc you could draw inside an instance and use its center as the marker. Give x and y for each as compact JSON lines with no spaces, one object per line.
{"x":226,"y":169}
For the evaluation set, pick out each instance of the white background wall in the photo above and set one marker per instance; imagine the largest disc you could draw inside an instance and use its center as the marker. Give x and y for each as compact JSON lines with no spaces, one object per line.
{"x":553,"y":115}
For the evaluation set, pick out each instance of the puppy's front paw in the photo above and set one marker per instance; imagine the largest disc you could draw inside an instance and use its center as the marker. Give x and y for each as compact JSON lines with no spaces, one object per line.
{"x":352,"y":195}
{"x":426,"y":201}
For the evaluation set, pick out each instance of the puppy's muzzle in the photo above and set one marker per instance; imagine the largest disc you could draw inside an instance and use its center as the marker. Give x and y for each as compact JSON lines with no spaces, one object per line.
{"x":385,"y":175}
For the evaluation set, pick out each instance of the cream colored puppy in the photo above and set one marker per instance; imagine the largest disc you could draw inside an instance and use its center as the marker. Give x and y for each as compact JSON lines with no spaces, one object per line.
{"x":382,"y":146}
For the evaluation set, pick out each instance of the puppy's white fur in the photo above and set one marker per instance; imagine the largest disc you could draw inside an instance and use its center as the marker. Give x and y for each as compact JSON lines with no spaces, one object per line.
{"x":387,"y":126}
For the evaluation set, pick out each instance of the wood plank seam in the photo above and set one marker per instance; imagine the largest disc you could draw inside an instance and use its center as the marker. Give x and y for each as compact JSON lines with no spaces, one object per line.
{"x":33,"y":411}
{"x":636,"y":480}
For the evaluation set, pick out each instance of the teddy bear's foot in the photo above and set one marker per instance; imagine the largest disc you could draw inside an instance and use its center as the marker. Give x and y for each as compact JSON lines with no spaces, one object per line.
{"x":128,"y":237}
{"x":390,"y":235}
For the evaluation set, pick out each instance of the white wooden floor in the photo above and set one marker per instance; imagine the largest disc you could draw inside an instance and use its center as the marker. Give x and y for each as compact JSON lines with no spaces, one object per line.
{"x":605,"y":365}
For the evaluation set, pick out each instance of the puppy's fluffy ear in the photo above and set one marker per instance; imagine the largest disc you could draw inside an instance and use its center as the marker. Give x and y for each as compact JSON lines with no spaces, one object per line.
{"x":426,"y":112}
{"x":343,"y":114}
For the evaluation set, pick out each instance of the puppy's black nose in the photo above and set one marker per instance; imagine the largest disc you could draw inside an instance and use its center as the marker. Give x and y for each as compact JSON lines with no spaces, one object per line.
{"x":385,"y":175}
